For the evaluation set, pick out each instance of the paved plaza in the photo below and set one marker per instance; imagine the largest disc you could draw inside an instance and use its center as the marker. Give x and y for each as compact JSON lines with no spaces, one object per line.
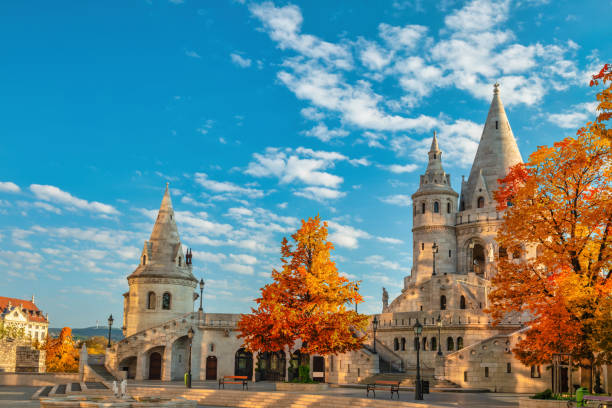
{"x":16,"y":396}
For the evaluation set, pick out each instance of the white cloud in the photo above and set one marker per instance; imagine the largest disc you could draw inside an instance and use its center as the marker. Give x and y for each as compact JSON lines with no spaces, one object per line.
{"x":244,"y":259}
{"x":345,"y":235}
{"x":225,"y":187}
{"x":289,"y":166}
{"x":399,"y":169}
{"x":47,"y":207}
{"x":575,"y":117}
{"x":380,"y":262}
{"x":397,"y":199}
{"x":9,"y":187}
{"x":389,"y":240}
{"x":240,"y":60}
{"x":191,"y":53}
{"x":321,"y":132}
{"x":57,"y":196}
{"x":312,"y":114}
{"x":406,"y":37}
{"x":239,"y":268}
{"x":319,"y":193}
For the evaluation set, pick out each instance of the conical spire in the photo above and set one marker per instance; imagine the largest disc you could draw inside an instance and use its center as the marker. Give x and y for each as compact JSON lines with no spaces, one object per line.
{"x":435,"y":156}
{"x":497,"y":152}
{"x":165,"y":226}
{"x":162,"y":254}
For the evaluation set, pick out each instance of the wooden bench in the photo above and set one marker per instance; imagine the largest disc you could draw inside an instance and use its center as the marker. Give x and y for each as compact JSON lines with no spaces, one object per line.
{"x":604,"y":401}
{"x":234,"y":379}
{"x":393,"y":386}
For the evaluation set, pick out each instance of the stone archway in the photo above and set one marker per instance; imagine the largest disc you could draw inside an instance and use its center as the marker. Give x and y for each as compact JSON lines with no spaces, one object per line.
{"x":128,"y":364}
{"x":272,"y":365}
{"x":155,"y":366}
{"x":243,"y":364}
{"x":179,"y":359}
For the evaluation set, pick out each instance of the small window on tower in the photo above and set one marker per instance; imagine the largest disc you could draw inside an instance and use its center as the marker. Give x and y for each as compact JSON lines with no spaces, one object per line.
{"x":481,"y":202}
{"x":436,"y":207}
{"x":423,"y":208}
{"x":496,"y":124}
{"x":434,"y":156}
{"x":422,"y":246}
{"x":449,"y":253}
{"x":448,"y":208}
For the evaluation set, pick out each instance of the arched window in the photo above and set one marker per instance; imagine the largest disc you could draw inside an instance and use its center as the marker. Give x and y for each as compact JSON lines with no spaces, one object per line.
{"x":180,"y":261}
{"x":450,"y":346}
{"x":434,"y":156}
{"x":423,"y":208}
{"x":434,"y":344}
{"x":459,"y":343}
{"x":422,"y":246}
{"x":424,"y":343}
{"x":448,"y":207}
{"x":436,"y":207}
{"x":462,"y":302}
{"x":502,"y":252}
{"x":403,"y":344}
{"x":462,"y":206}
{"x":478,"y":259}
{"x":395,"y":344}
{"x":144,"y":259}
{"x":166,"y":301}
{"x":416,"y":343}
{"x":480,"y":202}
{"x":442,"y":302}
{"x":151,"y":300}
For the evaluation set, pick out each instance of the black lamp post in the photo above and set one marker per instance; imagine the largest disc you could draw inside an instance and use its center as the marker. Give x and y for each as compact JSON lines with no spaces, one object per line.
{"x":374,"y":327}
{"x":418,"y":390}
{"x":190,"y":334}
{"x":434,"y":251}
{"x":201,"y":292}
{"x":439,"y":322}
{"x":110,"y":324}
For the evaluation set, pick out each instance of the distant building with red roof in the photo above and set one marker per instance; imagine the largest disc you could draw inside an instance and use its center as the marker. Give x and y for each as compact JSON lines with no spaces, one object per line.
{"x":24,"y":314}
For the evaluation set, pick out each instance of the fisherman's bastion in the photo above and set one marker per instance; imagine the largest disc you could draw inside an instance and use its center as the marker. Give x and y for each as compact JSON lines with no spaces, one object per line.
{"x":454,"y":255}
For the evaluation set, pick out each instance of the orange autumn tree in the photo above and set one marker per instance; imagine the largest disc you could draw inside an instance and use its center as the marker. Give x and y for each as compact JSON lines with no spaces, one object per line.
{"x":561,"y":206}
{"x":307,"y":301}
{"x":62,"y":355}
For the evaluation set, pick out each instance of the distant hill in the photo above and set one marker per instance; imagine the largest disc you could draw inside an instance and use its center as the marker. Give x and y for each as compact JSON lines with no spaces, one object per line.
{"x":87,"y":332}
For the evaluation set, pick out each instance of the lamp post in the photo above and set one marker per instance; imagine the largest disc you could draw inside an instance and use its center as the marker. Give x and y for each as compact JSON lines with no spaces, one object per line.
{"x":201,"y":293}
{"x":434,"y":251}
{"x":418,"y":390}
{"x":439,"y":322}
{"x":110,"y":324}
{"x":190,"y":334}
{"x":374,"y":327}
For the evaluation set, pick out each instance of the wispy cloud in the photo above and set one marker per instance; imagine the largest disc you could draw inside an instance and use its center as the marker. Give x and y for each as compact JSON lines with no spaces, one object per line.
{"x":241,"y":61}
{"x":9,"y":187}
{"x":55,"y":195}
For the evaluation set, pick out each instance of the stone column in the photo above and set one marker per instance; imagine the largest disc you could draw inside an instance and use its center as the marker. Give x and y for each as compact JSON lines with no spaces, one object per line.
{"x":141,"y":361}
{"x":166,"y":374}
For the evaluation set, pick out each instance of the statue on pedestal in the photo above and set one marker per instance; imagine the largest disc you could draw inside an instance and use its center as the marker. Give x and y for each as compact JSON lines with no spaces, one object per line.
{"x":385,"y":299}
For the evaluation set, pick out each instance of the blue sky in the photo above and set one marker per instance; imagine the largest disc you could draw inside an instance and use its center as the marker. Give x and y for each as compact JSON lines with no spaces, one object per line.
{"x":259,"y":114}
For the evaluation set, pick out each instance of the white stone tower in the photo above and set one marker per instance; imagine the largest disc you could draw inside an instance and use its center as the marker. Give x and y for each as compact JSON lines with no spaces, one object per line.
{"x":434,"y":209}
{"x":478,"y":218}
{"x":162,"y":286}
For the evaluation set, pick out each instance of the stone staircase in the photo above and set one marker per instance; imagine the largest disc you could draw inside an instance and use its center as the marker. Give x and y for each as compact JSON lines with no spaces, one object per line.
{"x":101,"y":371}
{"x":407,"y":379}
{"x":61,"y":390}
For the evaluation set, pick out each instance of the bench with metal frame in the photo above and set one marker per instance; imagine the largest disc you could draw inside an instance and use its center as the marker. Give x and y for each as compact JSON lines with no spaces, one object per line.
{"x":392,"y":386}
{"x":234,"y":379}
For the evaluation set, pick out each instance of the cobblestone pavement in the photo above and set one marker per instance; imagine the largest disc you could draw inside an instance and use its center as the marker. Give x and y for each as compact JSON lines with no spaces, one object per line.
{"x":18,"y":397}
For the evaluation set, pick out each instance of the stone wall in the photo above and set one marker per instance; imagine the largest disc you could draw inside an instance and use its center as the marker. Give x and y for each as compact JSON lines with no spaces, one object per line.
{"x":351,"y":367}
{"x":20,"y":356}
{"x":37,"y":379}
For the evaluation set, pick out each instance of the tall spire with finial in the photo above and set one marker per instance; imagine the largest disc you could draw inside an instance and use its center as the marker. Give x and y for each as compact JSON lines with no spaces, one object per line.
{"x":435,"y":155}
{"x":497,"y":152}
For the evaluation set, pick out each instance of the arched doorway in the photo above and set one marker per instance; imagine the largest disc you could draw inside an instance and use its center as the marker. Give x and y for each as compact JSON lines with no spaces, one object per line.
{"x":244,"y":363}
{"x":298,"y":359}
{"x":211,"y":368}
{"x":128,"y":365}
{"x":155,"y":364}
{"x":272,"y":366}
{"x":478,"y":259}
{"x":180,"y":358}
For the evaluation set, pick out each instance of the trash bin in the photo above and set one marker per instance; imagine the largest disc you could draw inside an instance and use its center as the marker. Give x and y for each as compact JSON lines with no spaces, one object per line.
{"x":425,"y":386}
{"x":580,"y":393}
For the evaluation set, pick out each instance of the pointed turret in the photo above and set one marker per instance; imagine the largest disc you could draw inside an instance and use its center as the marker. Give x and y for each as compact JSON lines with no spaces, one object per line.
{"x":435,"y":156}
{"x":163,"y":254}
{"x":435,"y":177}
{"x":497,"y":152}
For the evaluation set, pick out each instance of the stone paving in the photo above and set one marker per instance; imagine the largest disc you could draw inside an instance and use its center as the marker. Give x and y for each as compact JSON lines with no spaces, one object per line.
{"x":17,"y":397}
